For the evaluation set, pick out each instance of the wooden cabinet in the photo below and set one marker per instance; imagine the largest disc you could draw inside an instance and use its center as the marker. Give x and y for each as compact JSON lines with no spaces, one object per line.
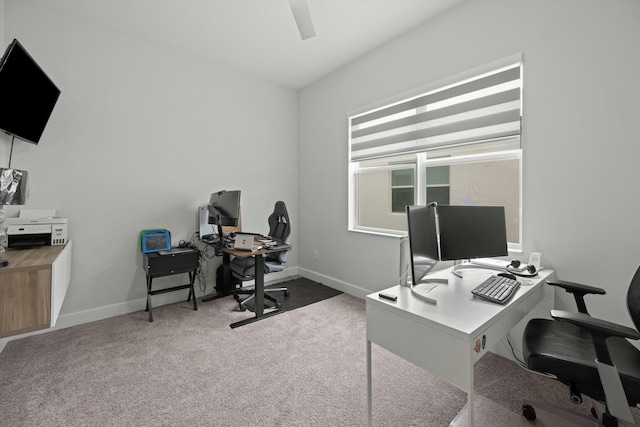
{"x":33,"y":287}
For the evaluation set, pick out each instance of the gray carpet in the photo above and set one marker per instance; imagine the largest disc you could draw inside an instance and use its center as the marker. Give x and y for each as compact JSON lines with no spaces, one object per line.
{"x":304,"y":367}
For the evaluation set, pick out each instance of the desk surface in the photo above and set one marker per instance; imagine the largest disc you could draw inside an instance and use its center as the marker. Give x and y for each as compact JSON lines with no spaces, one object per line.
{"x":257,"y":249}
{"x":30,"y":259}
{"x":457,"y":312}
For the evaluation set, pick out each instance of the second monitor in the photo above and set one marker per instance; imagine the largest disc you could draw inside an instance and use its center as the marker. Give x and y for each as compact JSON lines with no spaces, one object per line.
{"x":468,"y":232}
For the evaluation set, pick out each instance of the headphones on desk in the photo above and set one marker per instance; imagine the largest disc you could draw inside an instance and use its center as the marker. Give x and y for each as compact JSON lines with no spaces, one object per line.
{"x":516,"y":267}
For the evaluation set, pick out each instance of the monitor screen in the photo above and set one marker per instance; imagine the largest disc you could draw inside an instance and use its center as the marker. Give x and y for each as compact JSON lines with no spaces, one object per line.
{"x":423,"y":240}
{"x":28,"y":95}
{"x":224,"y":208}
{"x":468,"y":232}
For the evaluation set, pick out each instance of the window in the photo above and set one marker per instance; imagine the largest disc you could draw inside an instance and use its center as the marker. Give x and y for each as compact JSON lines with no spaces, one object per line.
{"x":458,"y":143}
{"x":401,"y":189}
{"x":438,"y":185}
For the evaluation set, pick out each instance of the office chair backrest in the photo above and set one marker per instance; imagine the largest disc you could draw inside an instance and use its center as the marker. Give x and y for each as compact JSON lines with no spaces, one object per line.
{"x":633,"y":299}
{"x":279,"y":229}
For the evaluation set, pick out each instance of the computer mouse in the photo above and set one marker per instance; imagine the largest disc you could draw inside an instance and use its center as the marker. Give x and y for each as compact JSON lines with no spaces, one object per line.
{"x":507,"y":275}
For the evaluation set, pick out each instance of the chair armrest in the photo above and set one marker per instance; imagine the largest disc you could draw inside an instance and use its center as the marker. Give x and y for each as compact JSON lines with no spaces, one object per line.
{"x":599,"y":330}
{"x":608,"y":329}
{"x":576,"y":287}
{"x":579,"y":291}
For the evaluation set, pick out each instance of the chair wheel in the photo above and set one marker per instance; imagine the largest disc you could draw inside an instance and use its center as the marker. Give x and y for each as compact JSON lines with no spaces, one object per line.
{"x":242,"y":307}
{"x":529,"y":412}
{"x":278,"y":304}
{"x":575,"y":398}
{"x":236,"y":297}
{"x":286,"y":293}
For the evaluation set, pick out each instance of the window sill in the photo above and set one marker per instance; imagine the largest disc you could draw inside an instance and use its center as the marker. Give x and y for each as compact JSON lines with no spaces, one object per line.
{"x":379,"y":232}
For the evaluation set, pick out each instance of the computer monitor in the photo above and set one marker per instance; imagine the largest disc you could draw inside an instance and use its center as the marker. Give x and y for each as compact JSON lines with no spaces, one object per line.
{"x":468,"y":232}
{"x":423,"y":240}
{"x":423,"y":248}
{"x":224,"y":208}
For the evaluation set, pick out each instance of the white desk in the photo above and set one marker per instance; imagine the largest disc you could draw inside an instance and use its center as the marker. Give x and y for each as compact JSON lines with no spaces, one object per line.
{"x":448,"y":338}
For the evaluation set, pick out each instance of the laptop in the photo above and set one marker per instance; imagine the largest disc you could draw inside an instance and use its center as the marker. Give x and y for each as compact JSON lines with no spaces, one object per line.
{"x":244,"y":242}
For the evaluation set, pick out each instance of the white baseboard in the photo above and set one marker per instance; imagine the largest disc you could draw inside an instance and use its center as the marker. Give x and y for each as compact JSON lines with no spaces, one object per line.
{"x":332,"y":282}
{"x":91,"y":315}
{"x":67,"y":320}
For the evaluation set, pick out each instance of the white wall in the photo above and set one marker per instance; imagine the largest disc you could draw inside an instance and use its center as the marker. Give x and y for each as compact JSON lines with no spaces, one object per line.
{"x":581,"y":132}
{"x":140,"y":137}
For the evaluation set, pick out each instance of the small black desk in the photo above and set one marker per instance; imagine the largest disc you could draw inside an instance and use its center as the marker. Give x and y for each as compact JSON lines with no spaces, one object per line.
{"x":177,"y":261}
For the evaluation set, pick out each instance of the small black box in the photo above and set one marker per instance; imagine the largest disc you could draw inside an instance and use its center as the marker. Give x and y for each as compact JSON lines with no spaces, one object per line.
{"x":171,"y":262}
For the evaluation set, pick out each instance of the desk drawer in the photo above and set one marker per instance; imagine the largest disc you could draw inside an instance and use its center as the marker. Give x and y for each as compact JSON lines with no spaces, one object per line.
{"x":156,"y":264}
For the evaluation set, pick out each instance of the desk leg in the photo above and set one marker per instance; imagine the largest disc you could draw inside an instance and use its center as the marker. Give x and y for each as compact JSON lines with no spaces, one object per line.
{"x":192,"y":291}
{"x":369,"y":394}
{"x":259,"y":288}
{"x":149,"y":308}
{"x":470,"y":397}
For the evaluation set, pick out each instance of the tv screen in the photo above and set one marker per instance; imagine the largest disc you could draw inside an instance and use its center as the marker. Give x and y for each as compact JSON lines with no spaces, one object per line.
{"x":468,"y":232}
{"x":423,"y":240}
{"x":28,"y":95}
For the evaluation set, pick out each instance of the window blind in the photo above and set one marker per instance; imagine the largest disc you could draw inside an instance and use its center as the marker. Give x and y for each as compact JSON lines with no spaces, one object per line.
{"x":477,"y":110}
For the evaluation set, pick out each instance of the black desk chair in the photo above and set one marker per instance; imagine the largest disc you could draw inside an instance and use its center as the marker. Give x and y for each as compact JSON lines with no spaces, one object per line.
{"x":590,"y":355}
{"x":244,"y":268}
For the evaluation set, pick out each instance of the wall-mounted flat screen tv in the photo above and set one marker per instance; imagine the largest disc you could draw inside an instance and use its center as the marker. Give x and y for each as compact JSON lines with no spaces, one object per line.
{"x":28,"y":95}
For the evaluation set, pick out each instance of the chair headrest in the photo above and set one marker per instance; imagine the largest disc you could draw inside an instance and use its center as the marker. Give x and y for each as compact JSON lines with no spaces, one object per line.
{"x":279,"y":226}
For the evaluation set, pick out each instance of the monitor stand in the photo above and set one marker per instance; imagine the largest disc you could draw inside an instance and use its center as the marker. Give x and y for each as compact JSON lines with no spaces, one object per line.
{"x":421,"y":289}
{"x":470,"y":265}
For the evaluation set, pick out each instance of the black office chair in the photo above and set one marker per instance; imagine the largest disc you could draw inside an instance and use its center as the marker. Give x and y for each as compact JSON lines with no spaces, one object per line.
{"x":244,"y":268}
{"x":590,"y":355}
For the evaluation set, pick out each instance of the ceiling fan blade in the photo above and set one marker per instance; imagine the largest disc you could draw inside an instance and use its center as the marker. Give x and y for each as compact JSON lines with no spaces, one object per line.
{"x":301,"y":14}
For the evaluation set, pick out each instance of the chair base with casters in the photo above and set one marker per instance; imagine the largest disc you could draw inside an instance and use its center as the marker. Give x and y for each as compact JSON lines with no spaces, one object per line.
{"x":529,"y":412}
{"x":592,"y":356}
{"x":242,"y":303}
{"x":244,"y":269}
